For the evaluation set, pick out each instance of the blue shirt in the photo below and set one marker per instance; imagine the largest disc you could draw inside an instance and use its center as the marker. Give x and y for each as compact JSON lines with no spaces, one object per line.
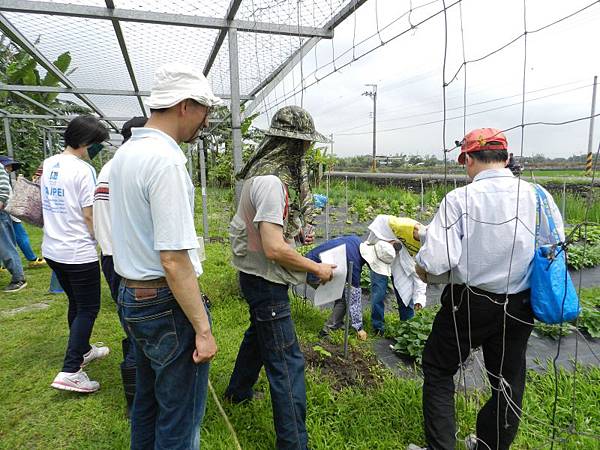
{"x":352,"y":255}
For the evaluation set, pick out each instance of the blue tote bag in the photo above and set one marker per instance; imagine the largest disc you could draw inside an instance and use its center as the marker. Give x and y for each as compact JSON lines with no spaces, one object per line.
{"x":553,"y":296}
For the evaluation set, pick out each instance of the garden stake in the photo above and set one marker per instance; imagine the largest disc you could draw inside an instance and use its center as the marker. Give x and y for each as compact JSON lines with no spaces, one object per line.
{"x":422,"y":199}
{"x":346,"y":195}
{"x":347,"y":321}
{"x":327,"y":208}
{"x":224,"y":415}
{"x":564,"y":202}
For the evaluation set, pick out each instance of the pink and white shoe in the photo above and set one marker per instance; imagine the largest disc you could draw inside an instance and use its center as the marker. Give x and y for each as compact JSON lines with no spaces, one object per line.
{"x":75,"y":382}
{"x":98,"y":351}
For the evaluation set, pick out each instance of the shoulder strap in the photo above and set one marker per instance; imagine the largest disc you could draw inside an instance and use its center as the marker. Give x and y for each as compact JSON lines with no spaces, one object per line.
{"x":542,"y":202}
{"x":287,"y":202}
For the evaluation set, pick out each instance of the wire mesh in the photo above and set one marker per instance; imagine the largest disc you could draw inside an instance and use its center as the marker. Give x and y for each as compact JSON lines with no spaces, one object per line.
{"x":117,"y":106}
{"x":312,"y":13}
{"x":270,"y":50}
{"x":151,"y":45}
{"x":96,"y":57}
{"x":98,"y":3}
{"x":207,"y":8}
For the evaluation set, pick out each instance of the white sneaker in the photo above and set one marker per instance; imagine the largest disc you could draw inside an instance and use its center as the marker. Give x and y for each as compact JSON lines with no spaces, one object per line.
{"x":98,"y":351}
{"x":76,"y":382}
{"x":415,"y":447}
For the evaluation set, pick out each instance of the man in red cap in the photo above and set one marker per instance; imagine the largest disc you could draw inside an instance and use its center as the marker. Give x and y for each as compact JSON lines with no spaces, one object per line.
{"x":483,"y":237}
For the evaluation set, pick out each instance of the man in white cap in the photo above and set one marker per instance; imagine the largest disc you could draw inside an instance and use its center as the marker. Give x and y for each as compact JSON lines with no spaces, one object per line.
{"x":154,"y":251}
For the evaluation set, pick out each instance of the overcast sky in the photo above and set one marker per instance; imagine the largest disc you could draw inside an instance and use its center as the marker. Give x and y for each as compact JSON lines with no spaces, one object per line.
{"x":561,"y":63}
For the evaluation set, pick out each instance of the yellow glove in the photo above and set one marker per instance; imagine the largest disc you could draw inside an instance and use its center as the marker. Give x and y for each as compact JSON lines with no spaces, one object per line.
{"x":403,"y":228}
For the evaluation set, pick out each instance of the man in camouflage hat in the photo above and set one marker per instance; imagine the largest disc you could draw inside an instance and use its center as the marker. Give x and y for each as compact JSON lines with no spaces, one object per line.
{"x":282,"y":153}
{"x":274,"y":203}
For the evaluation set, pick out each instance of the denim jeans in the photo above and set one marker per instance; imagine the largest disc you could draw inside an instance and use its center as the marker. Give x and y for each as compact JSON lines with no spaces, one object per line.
{"x":114,"y":280}
{"x":8,"y":250}
{"x":171,"y":390}
{"x":55,"y":287}
{"x":270,"y":340}
{"x":379,"y":285}
{"x":81,"y":283}
{"x":22,"y":239}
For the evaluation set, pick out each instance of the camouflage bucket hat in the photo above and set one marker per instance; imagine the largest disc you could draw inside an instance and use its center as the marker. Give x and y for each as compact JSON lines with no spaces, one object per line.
{"x":296,"y":123}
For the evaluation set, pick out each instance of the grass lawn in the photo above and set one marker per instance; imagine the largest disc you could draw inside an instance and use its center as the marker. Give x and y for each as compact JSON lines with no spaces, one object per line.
{"x":382,"y":414}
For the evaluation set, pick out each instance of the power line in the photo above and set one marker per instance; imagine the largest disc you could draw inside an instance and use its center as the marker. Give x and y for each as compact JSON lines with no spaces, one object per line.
{"x":341,"y":132}
{"x":412,"y":27}
{"x":407,"y":127}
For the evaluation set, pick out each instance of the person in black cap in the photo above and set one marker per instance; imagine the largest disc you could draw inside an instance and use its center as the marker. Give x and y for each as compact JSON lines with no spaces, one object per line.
{"x":21,"y":236}
{"x":102,"y":231}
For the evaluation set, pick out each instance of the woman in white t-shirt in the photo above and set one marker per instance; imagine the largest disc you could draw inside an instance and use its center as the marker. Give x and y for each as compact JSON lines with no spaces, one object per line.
{"x":67,"y":186}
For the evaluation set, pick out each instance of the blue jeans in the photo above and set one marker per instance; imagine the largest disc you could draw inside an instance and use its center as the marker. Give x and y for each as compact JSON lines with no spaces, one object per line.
{"x":8,"y":250}
{"x":270,"y":340}
{"x":171,"y":390}
{"x":55,"y":287}
{"x":114,"y":280}
{"x":378,"y":290}
{"x":81,"y":283}
{"x":23,"y":241}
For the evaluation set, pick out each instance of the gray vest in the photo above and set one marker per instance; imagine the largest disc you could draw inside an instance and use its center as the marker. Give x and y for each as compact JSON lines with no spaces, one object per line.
{"x":246,"y":245}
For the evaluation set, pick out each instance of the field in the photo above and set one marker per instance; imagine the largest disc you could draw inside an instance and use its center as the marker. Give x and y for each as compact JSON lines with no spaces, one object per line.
{"x":376,"y":412}
{"x":366,"y":199}
{"x":553,"y":173}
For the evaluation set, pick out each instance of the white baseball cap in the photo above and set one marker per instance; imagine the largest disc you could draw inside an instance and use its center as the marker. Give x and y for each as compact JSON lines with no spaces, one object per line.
{"x":379,"y":256}
{"x":175,"y":82}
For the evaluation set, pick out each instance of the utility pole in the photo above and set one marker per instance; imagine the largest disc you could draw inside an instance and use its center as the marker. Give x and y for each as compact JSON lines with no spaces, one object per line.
{"x":588,"y":164}
{"x":373,"y":94}
{"x":331,"y":141}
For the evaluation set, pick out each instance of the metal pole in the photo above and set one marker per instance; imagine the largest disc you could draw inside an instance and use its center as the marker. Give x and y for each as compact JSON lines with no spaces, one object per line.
{"x":50,"y":145}
{"x":9,"y":146}
{"x":44,"y":142}
{"x":422,"y":198}
{"x":346,"y":194}
{"x":588,"y":164}
{"x":564,"y":201}
{"x":7,"y":136}
{"x":188,"y":151}
{"x":347,"y":295}
{"x":332,"y":153}
{"x":203,"y":188}
{"x":374,"y":168}
{"x":327,"y":208}
{"x":236,"y":130}
{"x":373,"y":95}
{"x":320,"y":174}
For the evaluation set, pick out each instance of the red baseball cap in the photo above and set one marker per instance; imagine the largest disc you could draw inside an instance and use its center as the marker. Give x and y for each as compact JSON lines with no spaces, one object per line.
{"x":482,"y":139}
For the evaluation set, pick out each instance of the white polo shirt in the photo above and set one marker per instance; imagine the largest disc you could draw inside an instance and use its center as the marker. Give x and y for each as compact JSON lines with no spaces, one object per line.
{"x":151,"y":205}
{"x":476,"y":240}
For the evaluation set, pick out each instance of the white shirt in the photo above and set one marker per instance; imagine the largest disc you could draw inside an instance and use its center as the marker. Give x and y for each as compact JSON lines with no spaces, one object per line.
{"x":67,"y":186}
{"x":406,"y":281}
{"x":102,"y":211}
{"x":480,"y":233}
{"x":151,"y":205}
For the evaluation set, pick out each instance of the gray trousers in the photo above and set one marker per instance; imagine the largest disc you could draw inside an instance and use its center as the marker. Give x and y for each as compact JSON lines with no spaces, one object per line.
{"x":337,"y":316}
